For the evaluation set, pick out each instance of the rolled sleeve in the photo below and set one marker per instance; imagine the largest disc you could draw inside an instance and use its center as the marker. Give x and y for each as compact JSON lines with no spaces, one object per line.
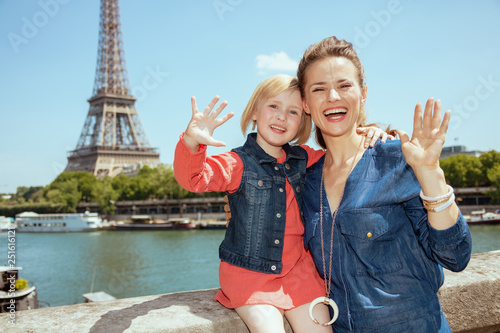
{"x":197,"y":172}
{"x":184,"y":162}
{"x":452,"y":246}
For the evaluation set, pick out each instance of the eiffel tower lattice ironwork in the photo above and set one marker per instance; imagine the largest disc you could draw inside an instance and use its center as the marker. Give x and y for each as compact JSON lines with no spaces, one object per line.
{"x":112,"y":136}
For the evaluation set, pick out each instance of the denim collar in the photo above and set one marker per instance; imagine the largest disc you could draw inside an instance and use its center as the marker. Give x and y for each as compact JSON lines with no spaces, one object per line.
{"x":253,"y":149}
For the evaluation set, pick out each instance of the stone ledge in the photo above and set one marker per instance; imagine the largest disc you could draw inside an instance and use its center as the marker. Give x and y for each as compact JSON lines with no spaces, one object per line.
{"x":470,"y":300}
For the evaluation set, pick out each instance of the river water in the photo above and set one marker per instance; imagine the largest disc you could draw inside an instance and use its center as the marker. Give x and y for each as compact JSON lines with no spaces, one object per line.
{"x":135,"y":263}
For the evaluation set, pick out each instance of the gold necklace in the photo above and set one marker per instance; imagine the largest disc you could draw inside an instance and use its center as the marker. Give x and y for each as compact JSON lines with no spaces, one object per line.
{"x":328,"y":277}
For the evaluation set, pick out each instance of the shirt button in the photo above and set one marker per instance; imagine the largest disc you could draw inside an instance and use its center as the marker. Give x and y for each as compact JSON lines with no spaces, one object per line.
{"x":276,"y":168}
{"x":281,"y":190}
{"x":287,"y":166}
{"x":277,"y":241}
{"x":278,"y":215}
{"x":298,"y":189}
{"x":369,"y":235}
{"x":273,"y":267}
{"x":261,"y":183}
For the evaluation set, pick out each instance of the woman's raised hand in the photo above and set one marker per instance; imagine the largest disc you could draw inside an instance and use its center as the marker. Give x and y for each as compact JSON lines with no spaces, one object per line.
{"x":202,"y":124}
{"x":427,"y":140}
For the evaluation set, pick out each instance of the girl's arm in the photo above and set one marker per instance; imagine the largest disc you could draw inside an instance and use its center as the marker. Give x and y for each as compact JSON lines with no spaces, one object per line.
{"x":193,"y":170}
{"x":372,"y":134}
{"x":197,"y":172}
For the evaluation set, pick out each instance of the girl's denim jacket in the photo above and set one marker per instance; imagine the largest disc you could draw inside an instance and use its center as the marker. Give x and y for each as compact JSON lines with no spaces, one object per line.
{"x":387,"y":259}
{"x":254,"y":236}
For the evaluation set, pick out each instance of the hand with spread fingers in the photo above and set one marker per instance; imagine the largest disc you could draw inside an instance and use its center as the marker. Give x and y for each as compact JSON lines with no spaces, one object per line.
{"x":202,"y":124}
{"x":429,"y":132}
{"x":422,"y":153}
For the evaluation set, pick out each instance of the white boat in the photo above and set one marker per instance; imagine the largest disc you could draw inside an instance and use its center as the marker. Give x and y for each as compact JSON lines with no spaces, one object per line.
{"x":13,"y":299}
{"x":482,"y":217}
{"x":98,"y":296}
{"x":33,"y":222}
{"x":6,"y":224}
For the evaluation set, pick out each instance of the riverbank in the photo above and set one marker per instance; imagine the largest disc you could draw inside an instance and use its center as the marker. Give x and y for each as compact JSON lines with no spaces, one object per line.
{"x":64,"y":266}
{"x":470,"y":301}
{"x":128,"y":264}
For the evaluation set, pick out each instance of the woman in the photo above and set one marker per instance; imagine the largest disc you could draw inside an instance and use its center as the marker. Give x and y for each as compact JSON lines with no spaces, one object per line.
{"x":380,"y":251}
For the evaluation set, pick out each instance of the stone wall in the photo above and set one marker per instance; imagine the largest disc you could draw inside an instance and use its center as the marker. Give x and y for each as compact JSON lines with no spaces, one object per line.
{"x":470,"y":300}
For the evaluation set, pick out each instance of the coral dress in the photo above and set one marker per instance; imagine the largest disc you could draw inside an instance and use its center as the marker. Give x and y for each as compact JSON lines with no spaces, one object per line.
{"x":299,"y":282}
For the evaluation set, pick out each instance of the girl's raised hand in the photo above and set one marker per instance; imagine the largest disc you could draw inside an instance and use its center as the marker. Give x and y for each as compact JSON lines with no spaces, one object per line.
{"x":202,"y":124}
{"x":427,"y":140}
{"x":372,"y":134}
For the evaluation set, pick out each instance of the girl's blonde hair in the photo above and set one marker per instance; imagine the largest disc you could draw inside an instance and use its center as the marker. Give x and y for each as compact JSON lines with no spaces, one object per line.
{"x":269,"y":88}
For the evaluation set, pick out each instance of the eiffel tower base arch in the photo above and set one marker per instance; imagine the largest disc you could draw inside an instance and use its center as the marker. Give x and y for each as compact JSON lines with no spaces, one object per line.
{"x":105,"y":162}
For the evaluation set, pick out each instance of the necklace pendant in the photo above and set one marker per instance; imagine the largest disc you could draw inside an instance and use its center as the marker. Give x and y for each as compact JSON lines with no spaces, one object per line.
{"x":327,"y":301}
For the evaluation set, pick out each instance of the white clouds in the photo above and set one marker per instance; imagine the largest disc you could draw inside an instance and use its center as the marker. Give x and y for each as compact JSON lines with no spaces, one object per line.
{"x":276,"y":62}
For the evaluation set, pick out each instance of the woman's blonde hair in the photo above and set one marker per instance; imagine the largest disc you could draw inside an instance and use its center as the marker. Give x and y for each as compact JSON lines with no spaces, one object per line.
{"x":269,"y":88}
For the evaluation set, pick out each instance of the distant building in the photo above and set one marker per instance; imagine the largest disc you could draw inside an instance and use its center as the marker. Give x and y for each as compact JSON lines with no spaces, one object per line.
{"x":459,"y":150}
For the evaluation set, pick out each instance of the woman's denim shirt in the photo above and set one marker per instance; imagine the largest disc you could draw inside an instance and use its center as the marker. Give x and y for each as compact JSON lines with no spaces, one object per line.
{"x":387,"y":259}
{"x":254,"y":236}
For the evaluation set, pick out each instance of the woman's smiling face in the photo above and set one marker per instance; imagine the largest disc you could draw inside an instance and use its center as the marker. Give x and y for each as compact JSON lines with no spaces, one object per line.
{"x":333,"y":95}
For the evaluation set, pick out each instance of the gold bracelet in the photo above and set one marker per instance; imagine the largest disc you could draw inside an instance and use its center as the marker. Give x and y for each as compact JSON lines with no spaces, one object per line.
{"x":437,"y":209}
{"x":434,"y":203}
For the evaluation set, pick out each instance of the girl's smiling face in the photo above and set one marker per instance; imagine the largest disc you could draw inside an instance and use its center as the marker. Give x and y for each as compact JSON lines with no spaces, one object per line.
{"x":278,"y":121}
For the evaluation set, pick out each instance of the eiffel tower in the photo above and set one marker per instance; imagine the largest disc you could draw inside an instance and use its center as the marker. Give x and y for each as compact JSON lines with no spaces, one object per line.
{"x":113,"y":136}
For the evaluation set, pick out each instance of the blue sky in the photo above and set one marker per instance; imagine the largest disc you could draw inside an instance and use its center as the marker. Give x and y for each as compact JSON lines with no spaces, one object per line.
{"x":411,"y":50}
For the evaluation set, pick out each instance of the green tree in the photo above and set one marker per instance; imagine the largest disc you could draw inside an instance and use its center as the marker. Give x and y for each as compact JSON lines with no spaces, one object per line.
{"x":85,"y":182}
{"x":462,"y":170}
{"x":131,"y":188}
{"x":64,"y":192}
{"x":494,"y":178}
{"x":28,"y":194}
{"x":147,"y":182}
{"x":37,"y":196}
{"x":121,"y":184}
{"x":71,"y":188}
{"x":141,"y":188}
{"x":104,"y":193}
{"x":150,"y":183}
{"x":489,"y":160}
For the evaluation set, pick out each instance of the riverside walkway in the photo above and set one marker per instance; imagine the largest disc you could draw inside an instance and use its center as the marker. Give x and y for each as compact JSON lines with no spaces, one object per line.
{"x":470,"y":300}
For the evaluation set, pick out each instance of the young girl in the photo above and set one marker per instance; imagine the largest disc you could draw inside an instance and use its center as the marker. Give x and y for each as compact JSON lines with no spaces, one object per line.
{"x":265,"y":273}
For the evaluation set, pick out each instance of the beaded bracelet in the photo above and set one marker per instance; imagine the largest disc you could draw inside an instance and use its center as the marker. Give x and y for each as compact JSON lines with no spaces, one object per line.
{"x":447,"y":195}
{"x":432,"y":208}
